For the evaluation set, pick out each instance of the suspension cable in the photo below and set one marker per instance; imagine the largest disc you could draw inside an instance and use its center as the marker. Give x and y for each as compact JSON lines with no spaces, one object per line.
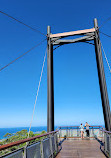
{"x":21,"y":22}
{"x":105,"y":34}
{"x":22,"y":55}
{"x":105,"y":21}
{"x":89,"y":42}
{"x":106,"y":58}
{"x":37,"y":92}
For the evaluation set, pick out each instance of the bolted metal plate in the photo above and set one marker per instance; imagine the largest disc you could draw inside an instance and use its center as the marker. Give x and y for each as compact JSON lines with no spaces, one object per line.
{"x":53,"y":144}
{"x":107,"y":137}
{"x":46,"y":148}
{"x":33,"y":151}
{"x":56,"y":142}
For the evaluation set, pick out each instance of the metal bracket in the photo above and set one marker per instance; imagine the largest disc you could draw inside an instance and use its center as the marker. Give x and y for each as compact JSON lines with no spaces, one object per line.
{"x":68,"y":41}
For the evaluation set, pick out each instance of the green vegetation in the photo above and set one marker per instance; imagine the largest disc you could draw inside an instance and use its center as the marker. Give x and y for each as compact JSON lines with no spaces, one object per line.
{"x":16,"y":137}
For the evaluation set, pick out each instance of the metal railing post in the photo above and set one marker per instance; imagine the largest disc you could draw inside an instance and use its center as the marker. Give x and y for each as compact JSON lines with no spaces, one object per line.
{"x":25,"y":152}
{"x":55,"y":142}
{"x":102,"y":133}
{"x":42,"y":152}
{"x":67,"y":132}
{"x":93,"y":131}
{"x":50,"y":138}
{"x":99,"y":133}
{"x":110,"y":145}
{"x":105,"y":142}
{"x":60,"y":132}
{"x":77,"y":132}
{"x":71,"y":132}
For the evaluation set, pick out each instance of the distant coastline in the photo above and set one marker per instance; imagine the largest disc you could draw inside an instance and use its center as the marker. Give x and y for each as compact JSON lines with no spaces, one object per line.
{"x":13,"y":130}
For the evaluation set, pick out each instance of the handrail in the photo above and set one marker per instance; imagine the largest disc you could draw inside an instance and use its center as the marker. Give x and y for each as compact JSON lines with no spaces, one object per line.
{"x":76,"y":126}
{"x":2,"y":147}
{"x":109,"y":132}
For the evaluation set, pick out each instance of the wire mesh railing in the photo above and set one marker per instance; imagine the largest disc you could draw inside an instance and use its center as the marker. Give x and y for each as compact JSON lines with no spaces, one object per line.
{"x":106,"y":148}
{"x":49,"y":144}
{"x":46,"y":147}
{"x":74,"y":132}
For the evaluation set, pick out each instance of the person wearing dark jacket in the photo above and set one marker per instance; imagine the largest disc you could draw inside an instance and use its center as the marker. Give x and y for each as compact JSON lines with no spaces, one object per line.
{"x":87,"y":129}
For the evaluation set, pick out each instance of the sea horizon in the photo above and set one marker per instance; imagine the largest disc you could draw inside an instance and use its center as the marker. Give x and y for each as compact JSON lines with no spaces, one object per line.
{"x":13,"y":130}
{"x":35,"y":129}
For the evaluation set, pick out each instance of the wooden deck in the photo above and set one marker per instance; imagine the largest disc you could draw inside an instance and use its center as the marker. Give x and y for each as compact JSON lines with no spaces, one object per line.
{"x":80,"y":149}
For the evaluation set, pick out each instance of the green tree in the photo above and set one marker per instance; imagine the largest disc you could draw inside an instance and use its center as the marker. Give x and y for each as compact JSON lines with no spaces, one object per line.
{"x":18,"y":136}
{"x":7,"y":135}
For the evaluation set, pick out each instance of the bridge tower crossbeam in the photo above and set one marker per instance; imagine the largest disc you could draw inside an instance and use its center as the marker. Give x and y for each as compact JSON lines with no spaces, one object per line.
{"x":57,"y":39}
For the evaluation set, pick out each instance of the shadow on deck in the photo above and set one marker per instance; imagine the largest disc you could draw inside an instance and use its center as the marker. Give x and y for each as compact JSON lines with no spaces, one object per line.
{"x":80,"y":149}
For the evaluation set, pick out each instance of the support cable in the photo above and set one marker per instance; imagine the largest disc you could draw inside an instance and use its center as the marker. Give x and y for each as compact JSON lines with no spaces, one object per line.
{"x":21,"y":22}
{"x":106,"y":58}
{"x":57,"y":47}
{"x":105,"y":34}
{"x":37,"y":92}
{"x":89,"y":43}
{"x":105,"y":22}
{"x":22,"y":55}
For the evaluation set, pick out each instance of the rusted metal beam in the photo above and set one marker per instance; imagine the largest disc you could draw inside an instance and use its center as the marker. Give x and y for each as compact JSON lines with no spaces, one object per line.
{"x":79,"y":32}
{"x":6,"y":146}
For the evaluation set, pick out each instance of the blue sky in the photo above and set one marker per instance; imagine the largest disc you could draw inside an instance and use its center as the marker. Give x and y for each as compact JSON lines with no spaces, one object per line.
{"x":77,"y":95}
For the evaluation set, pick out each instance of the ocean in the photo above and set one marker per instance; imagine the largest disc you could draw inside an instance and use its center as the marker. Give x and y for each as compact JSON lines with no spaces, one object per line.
{"x":13,"y":130}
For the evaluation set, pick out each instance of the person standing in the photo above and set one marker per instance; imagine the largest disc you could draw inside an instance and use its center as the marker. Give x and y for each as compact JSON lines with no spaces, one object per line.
{"x":87,"y":129}
{"x":82,"y":130}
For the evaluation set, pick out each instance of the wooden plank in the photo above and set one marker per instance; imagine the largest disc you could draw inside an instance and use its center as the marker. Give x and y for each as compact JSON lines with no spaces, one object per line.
{"x":79,"y":32}
{"x":80,"y":149}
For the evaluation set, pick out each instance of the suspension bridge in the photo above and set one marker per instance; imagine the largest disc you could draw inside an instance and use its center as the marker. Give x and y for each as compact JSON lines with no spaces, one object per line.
{"x":66,"y":142}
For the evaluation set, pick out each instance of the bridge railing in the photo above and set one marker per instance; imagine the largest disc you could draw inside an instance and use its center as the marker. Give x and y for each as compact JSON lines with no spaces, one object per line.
{"x":74,"y":132}
{"x":46,"y":147}
{"x":106,"y":142}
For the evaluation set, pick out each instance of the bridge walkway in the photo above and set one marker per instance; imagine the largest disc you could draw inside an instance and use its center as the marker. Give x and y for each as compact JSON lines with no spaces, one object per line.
{"x":80,"y":149}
